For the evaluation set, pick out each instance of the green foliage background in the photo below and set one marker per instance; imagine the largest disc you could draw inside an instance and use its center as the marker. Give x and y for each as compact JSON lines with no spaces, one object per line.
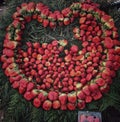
{"x":15,"y":108}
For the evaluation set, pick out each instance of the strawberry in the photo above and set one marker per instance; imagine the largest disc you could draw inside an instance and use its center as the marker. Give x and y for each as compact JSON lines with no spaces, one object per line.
{"x":15,"y":85}
{"x":72,"y":97}
{"x":52,"y":95}
{"x":109,"y":24}
{"x":105,"y":18}
{"x":10,"y":44}
{"x":45,"y":22}
{"x":63,"y":107}
{"x":63,"y":98}
{"x":56,"y":104}
{"x":52,"y":24}
{"x":71,"y":106}
{"x":96,"y":39}
{"x":8,"y":52}
{"x":66,"y":21}
{"x":86,"y":90}
{"x":63,"y":42}
{"x":82,"y":20}
{"x":30,"y":86}
{"x":34,"y":93}
{"x":15,"y":78}
{"x":93,"y":87}
{"x":81,"y":104}
{"x":97,"y":96}
{"x":66,"y":12}
{"x":47,"y":105}
{"x":21,"y":90}
{"x":81,"y":95}
{"x":42,"y":95}
{"x":100,"y":81}
{"x":74,"y":48}
{"x":37,"y":102}
{"x":28,"y":96}
{"x":88,"y":99}
{"x":68,"y":58}
{"x":108,"y":42}
{"x":88,"y":77}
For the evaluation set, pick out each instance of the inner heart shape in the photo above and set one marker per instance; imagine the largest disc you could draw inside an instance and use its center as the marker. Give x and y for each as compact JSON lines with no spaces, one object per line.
{"x":52,"y":75}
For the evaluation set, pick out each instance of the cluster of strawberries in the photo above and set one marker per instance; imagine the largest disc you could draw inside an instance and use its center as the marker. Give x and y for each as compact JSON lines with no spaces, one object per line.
{"x":51,"y":80}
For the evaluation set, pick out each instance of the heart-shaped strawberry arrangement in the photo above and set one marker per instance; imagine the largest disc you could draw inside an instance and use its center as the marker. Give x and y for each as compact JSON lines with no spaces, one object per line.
{"x":51,"y":80}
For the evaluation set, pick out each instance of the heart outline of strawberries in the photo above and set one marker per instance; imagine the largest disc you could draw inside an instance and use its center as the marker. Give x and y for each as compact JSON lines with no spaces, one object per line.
{"x":103,"y":46}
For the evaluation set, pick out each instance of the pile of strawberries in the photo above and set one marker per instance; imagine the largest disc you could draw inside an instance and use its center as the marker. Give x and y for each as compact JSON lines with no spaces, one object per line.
{"x":53,"y":76}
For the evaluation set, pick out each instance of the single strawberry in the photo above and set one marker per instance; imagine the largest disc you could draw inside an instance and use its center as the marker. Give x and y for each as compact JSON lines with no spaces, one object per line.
{"x":45,"y":22}
{"x":81,"y":95}
{"x":74,"y":48}
{"x":8,"y":52}
{"x":42,"y":95}
{"x":22,"y":90}
{"x":15,"y":85}
{"x":96,"y":39}
{"x":72,"y":97}
{"x":82,"y":20}
{"x":28,"y":96}
{"x":47,"y":105}
{"x":37,"y":102}
{"x":66,"y":21}
{"x":52,"y":95}
{"x":97,"y":96}
{"x":88,"y":99}
{"x":93,"y":87}
{"x":81,"y":104}
{"x":86,"y":90}
{"x":63,"y":98}
{"x":30,"y":86}
{"x":71,"y":106}
{"x":108,"y":42}
{"x":100,"y":81}
{"x":63,"y":107}
{"x":56,"y":104}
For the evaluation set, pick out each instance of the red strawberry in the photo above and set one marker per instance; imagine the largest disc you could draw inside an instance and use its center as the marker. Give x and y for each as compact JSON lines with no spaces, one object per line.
{"x":52,"y":95}
{"x":86,"y":90}
{"x":66,"y":21}
{"x":63,"y":107}
{"x":30,"y":86}
{"x":42,"y":95}
{"x":74,"y":48}
{"x":56,"y":104}
{"x":105,"y":18}
{"x":100,"y":81}
{"x":8,"y":52}
{"x":47,"y":105}
{"x":96,"y":39}
{"x":110,"y":24}
{"x":21,"y":90}
{"x":88,"y":77}
{"x":37,"y":102}
{"x":45,"y":22}
{"x":15,"y":85}
{"x":10,"y":44}
{"x":52,"y":24}
{"x":93,"y":87}
{"x":71,"y":106}
{"x":81,"y":104}
{"x":108,"y":42}
{"x":82,"y":20}
{"x":88,"y":99}
{"x":63,"y":98}
{"x":68,"y":58}
{"x":28,"y":96}
{"x":97,"y":96}
{"x":81,"y":95}
{"x":72,"y":97}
